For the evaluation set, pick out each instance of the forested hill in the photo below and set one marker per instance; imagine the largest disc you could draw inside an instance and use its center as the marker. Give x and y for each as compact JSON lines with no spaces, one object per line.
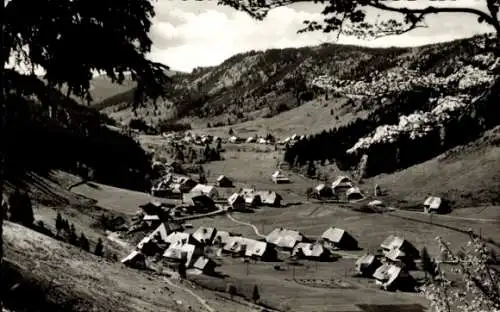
{"x":257,"y":84}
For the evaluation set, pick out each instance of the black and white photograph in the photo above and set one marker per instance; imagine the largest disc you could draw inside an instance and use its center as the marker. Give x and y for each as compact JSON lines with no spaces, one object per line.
{"x":250,"y":156}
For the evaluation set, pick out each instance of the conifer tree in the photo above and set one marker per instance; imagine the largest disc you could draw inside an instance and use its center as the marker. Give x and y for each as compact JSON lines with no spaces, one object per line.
{"x":99,"y":248}
{"x":84,"y":242}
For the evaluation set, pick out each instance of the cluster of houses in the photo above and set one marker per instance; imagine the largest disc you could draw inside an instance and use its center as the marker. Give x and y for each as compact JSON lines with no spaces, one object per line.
{"x":290,"y":140}
{"x":342,"y":184}
{"x":391,"y":267}
{"x":190,"y":138}
{"x":250,"y":198}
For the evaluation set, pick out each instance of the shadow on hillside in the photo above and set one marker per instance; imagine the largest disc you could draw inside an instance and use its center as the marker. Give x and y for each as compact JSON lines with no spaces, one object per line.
{"x":291,"y":204}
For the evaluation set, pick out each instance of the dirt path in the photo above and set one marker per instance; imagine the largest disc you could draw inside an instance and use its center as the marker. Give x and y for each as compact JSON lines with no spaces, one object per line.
{"x":255,"y":229}
{"x":439,"y":216}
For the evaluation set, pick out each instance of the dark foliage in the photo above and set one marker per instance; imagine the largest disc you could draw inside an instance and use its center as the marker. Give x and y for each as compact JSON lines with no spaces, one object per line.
{"x":388,"y":157}
{"x":21,"y":209}
{"x":99,"y":248}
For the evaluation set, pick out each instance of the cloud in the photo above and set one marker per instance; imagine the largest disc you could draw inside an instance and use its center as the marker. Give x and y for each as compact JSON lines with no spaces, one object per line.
{"x":192,"y":34}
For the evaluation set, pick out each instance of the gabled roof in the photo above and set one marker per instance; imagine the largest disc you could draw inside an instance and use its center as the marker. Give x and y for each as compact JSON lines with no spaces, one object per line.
{"x":222,"y":177}
{"x":395,"y":254}
{"x":365,"y":259}
{"x":179,"y":251}
{"x":202,"y":262}
{"x":309,"y":250}
{"x":269,"y":197}
{"x":162,"y":232}
{"x":333,"y":234}
{"x":252,"y":198}
{"x":195,"y":199}
{"x":387,"y":273}
{"x":204,"y":189}
{"x":278,"y":174}
{"x":177,"y":237}
{"x":256,"y":248}
{"x":235,"y":199}
{"x":204,"y":234}
{"x":223,"y":236}
{"x":252,"y":247}
{"x":284,"y":237}
{"x":392,"y":241}
{"x":320,"y":187}
{"x":433,"y":202}
{"x":353,"y":190}
{"x":341,"y":180}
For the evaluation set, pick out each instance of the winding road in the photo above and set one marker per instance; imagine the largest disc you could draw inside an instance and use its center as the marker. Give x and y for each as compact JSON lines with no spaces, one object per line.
{"x":255,"y":229}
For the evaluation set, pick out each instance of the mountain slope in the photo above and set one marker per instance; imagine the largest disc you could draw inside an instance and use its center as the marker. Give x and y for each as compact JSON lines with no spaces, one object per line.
{"x":257,"y":84}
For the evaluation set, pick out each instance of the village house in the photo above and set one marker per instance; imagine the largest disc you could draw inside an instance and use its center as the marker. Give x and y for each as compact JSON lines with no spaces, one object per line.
{"x":338,"y":238}
{"x":208,"y":190}
{"x":223,"y":181}
{"x":396,"y":242}
{"x":135,"y":260}
{"x":158,"y":236}
{"x":236,"y":202}
{"x":239,"y":246}
{"x":284,"y":238}
{"x":204,"y":265}
{"x":153,"y":208}
{"x":354,"y":193}
{"x":311,"y":252}
{"x":435,"y":204}
{"x":270,"y":198}
{"x":278,"y":177}
{"x":205,"y":235}
{"x":342,"y":182}
{"x":367,"y":264}
{"x":183,"y":185}
{"x":181,"y":251}
{"x":400,"y":258}
{"x":198,"y":202}
{"x":250,"y":140}
{"x":391,"y":277}
{"x":323,"y":191}
{"x":252,"y":200}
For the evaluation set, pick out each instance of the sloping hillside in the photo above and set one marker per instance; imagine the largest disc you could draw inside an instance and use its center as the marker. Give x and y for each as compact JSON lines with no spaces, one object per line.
{"x":257,"y":84}
{"x":58,"y":277}
{"x":467,"y":175}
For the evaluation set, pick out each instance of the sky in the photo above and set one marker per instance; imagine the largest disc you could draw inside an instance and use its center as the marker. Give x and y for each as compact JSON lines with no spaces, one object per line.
{"x":190,"y":34}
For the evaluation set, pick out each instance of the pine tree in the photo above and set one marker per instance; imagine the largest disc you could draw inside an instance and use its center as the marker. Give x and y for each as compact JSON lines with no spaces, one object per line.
{"x":84,"y":242}
{"x":99,"y":248}
{"x":428,"y":265}
{"x":73,"y":238}
{"x":255,"y":294}
{"x":59,"y":223}
{"x":311,"y":169}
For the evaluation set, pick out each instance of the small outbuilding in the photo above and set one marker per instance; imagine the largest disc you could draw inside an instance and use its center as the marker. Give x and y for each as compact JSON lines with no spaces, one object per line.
{"x":223,"y":181}
{"x":339,"y":238}
{"x":367,"y":264}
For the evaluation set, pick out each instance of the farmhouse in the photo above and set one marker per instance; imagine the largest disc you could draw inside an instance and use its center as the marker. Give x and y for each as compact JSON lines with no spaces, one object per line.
{"x":270,"y":198}
{"x":205,"y":235}
{"x":400,"y":258}
{"x":200,"y":202}
{"x":391,"y":277}
{"x":284,"y":238}
{"x":183,"y":252}
{"x":236,"y":202}
{"x":396,"y":242}
{"x":367,"y":264}
{"x":354,"y":193}
{"x":435,"y":204}
{"x":176,"y":238}
{"x":233,"y":139}
{"x":311,"y":252}
{"x":135,"y":260}
{"x":183,"y":185}
{"x":339,"y":238}
{"x":204,"y":265}
{"x":252,"y":200}
{"x":278,"y":177}
{"x":160,"y":234}
{"x":342,"y":182}
{"x":223,"y":181}
{"x":323,"y":191}
{"x":250,"y":248}
{"x":208,"y":190}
